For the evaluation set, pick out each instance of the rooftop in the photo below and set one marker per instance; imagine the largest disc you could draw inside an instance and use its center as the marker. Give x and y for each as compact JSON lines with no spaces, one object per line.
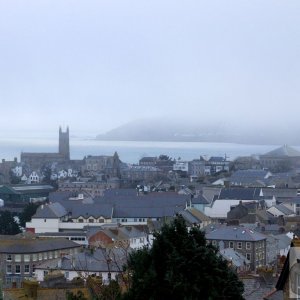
{"x":234,"y":233}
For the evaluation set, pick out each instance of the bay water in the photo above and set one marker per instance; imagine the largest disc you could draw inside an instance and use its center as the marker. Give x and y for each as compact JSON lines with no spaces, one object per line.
{"x":131,"y":151}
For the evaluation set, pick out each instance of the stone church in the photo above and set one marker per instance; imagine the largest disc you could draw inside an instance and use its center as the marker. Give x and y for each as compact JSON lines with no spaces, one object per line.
{"x":37,"y":160}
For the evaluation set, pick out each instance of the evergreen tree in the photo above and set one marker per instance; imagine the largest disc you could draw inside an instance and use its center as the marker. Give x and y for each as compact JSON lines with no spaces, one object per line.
{"x":180,"y":265}
{"x":8,"y":224}
{"x":28,"y":211}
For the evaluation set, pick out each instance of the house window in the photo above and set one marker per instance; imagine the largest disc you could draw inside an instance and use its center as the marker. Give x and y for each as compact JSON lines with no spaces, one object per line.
{"x":8,"y":269}
{"x":231,"y":245}
{"x":67,"y":274}
{"x":17,"y":257}
{"x":239,"y":245}
{"x":34,"y":257}
{"x":248,"y":245}
{"x":101,"y":220}
{"x":40,"y":256}
{"x":91,"y":220}
{"x":26,"y":269}
{"x":248,"y":256}
{"x":45,"y":255}
{"x":80,"y":220}
{"x":9,"y":257}
{"x":18,"y":269}
{"x":26,"y":257}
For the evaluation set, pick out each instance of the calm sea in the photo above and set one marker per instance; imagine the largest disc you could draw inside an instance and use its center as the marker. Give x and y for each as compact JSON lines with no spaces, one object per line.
{"x":130,"y":152}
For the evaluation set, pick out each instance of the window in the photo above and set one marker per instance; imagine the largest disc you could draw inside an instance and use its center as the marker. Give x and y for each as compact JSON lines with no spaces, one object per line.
{"x":18,"y":269}
{"x":80,"y":220}
{"x":8,"y":269}
{"x":239,"y":245}
{"x":67,"y":274}
{"x":45,"y":255}
{"x":34,"y":257}
{"x":248,"y":256}
{"x":231,"y":245}
{"x":248,"y":245}
{"x":26,"y":269}
{"x":91,"y":220}
{"x":26,"y":257}
{"x":40,"y":256}
{"x":9,"y":257}
{"x":101,"y":220}
{"x":17,"y":257}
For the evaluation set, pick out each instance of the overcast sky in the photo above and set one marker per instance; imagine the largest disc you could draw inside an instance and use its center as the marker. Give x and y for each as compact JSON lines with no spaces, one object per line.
{"x":94,"y":65}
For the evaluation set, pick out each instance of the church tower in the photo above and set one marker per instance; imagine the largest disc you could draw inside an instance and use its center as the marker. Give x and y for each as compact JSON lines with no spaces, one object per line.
{"x":64,"y":144}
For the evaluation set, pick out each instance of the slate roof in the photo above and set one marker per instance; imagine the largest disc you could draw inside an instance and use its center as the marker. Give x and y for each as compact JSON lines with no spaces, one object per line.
{"x":189,"y":218}
{"x":251,"y":176}
{"x":90,"y":262}
{"x":200,"y":200}
{"x":279,"y":192}
{"x":119,"y":232}
{"x":232,"y":233}
{"x":284,"y":209}
{"x":153,"y":205}
{"x":34,"y":245}
{"x":283,"y":151}
{"x":50,"y":211}
{"x":240,"y":193}
{"x":235,"y":257}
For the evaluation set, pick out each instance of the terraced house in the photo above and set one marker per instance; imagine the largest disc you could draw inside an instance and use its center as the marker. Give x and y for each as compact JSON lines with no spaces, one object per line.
{"x":19,"y":256}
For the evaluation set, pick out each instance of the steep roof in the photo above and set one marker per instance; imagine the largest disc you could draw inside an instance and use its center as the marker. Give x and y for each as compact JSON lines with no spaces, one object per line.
{"x":240,"y":193}
{"x":283,"y":151}
{"x":51,"y":211}
{"x":235,"y":257}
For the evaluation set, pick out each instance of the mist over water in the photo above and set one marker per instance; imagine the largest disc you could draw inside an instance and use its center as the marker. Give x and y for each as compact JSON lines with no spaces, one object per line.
{"x":131,"y":152}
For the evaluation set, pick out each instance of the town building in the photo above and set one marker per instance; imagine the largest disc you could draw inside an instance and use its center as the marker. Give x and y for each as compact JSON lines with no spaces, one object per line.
{"x":19,"y":256}
{"x":106,"y":264}
{"x":108,"y":165}
{"x":281,"y":159}
{"x":24,"y":193}
{"x":37,"y":160}
{"x":249,"y":243}
{"x":69,"y":212}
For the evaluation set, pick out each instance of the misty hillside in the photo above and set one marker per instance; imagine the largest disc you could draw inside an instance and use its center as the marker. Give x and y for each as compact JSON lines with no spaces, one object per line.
{"x":197,"y":131}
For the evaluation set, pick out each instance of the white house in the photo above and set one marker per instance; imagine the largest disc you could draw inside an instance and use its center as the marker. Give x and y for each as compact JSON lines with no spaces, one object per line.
{"x":34,"y":177}
{"x":17,"y":170}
